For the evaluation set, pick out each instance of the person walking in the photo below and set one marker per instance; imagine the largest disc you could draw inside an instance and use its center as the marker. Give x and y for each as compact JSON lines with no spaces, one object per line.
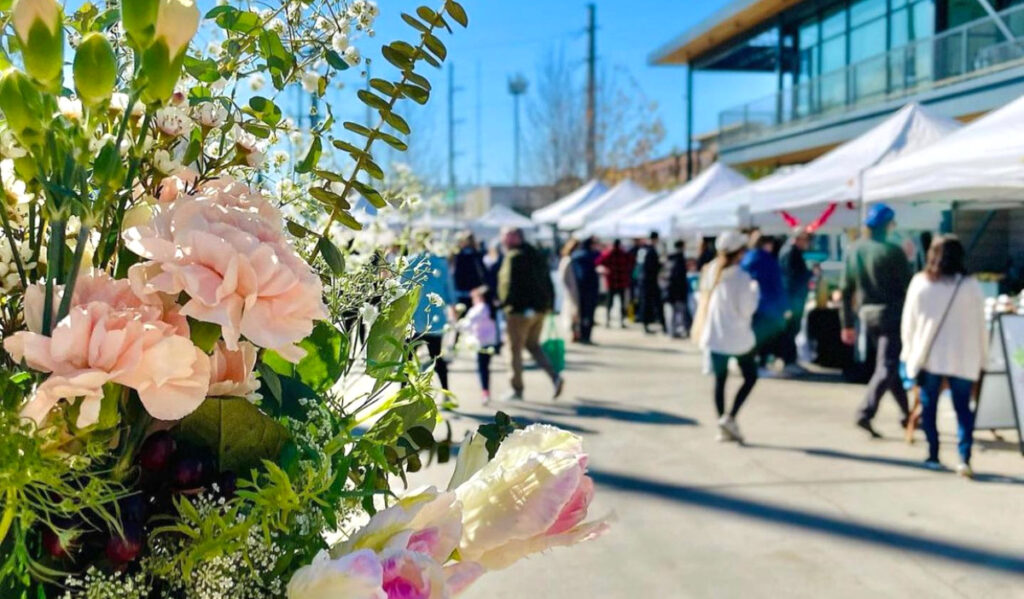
{"x":763,"y":265}
{"x":468,"y":271}
{"x":588,"y":287}
{"x":479,"y":324}
{"x":945,"y":340}
{"x":570,"y":308}
{"x":648,"y":272}
{"x":434,"y":307}
{"x":796,"y":282}
{"x":727,"y":328}
{"x":875,"y":278}
{"x":616,"y":264}
{"x":527,"y":295}
{"x":679,"y":291}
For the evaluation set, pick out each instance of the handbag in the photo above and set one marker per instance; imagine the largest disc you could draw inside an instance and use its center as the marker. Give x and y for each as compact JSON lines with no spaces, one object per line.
{"x":915,"y":390}
{"x":553,"y":345}
{"x":704,"y":304}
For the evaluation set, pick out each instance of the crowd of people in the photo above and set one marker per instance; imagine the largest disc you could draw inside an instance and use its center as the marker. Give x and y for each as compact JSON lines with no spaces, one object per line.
{"x":742,"y":297}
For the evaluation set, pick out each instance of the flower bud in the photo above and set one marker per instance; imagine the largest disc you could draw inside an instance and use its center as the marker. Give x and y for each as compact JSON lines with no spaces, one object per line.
{"x":39,"y":26}
{"x":177,"y":21}
{"x":138,"y":17}
{"x":95,"y":69}
{"x":22,"y":105}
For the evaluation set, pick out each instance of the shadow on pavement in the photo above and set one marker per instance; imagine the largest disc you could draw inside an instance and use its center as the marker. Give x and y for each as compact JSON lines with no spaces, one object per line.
{"x":635,"y":348}
{"x":883,"y":460}
{"x":589,"y":408}
{"x":513,"y":410}
{"x":786,"y":516}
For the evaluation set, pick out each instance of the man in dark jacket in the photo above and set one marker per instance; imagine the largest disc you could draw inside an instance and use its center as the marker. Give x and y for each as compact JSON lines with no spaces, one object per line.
{"x":468,"y":269}
{"x":527,"y":294}
{"x":584,"y":267}
{"x":617,"y":266}
{"x":679,"y":291}
{"x":796,"y":281}
{"x":648,"y":271}
{"x":875,"y":280}
{"x":762,"y":265}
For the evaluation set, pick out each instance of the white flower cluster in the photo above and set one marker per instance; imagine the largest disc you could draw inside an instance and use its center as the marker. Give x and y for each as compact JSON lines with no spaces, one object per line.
{"x":364,"y":13}
{"x":9,"y":278}
{"x":96,"y":584}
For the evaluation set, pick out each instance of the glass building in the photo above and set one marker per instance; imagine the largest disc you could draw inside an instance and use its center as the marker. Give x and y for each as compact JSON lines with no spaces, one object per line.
{"x":841,"y":65}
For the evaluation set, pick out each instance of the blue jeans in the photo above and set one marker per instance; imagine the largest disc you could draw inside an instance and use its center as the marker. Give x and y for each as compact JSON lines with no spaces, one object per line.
{"x":960,"y":389}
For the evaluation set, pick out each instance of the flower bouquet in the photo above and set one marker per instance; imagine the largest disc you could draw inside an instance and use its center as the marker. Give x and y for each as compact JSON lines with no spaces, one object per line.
{"x":201,"y":394}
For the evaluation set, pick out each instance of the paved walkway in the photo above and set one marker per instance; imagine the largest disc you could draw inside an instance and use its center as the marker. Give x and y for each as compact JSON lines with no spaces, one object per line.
{"x":809,"y":508}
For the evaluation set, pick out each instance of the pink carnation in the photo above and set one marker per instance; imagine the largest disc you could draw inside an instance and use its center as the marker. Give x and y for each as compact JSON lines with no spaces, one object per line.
{"x":97,"y":343}
{"x":231,"y":371}
{"x":226,"y":250}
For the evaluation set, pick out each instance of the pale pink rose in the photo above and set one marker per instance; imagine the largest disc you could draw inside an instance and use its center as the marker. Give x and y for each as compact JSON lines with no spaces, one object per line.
{"x":357,"y":575}
{"x":412,"y":575}
{"x":532,"y":496}
{"x":97,"y":344}
{"x":175,"y":185}
{"x":232,"y":371}
{"x":225,"y":248}
{"x":425,"y":521}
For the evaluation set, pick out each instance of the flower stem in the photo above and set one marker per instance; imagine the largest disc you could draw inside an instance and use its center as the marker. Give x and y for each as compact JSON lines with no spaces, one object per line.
{"x":76,"y":266}
{"x":14,"y":249}
{"x":54,"y":253}
{"x":8,"y":517}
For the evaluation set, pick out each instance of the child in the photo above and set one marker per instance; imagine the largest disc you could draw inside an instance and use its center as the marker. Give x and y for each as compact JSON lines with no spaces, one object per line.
{"x":479,"y":324}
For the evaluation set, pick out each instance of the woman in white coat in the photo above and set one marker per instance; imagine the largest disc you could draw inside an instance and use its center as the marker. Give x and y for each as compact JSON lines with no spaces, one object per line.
{"x":727,"y":332}
{"x":570,"y":311}
{"x":945,"y":339}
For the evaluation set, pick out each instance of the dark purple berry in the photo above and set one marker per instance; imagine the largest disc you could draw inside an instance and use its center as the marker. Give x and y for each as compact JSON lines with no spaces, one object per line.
{"x":134,"y":508}
{"x":54,"y":546}
{"x":227,"y":484}
{"x":156,"y":451}
{"x":124,"y":549}
{"x":189,"y":472}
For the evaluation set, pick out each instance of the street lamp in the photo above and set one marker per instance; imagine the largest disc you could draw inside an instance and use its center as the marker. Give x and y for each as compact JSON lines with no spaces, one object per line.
{"x":517,"y":85}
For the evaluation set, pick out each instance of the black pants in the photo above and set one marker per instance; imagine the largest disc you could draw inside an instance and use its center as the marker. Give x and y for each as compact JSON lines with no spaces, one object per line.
{"x":621,"y":294}
{"x":588,"y":307}
{"x":483,"y":368}
{"x":720,"y":366}
{"x":434,"y":343}
{"x":652,"y":311}
{"x":787,"y":341}
{"x":886,"y":342}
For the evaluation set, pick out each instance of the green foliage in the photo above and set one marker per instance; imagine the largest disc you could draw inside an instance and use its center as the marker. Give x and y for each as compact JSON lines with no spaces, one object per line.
{"x":327,"y":355}
{"x":239,"y":433}
{"x":386,"y":346}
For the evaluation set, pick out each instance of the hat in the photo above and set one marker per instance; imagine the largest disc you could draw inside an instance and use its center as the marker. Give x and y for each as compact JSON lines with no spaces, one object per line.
{"x":879,"y":215}
{"x":731,"y":241}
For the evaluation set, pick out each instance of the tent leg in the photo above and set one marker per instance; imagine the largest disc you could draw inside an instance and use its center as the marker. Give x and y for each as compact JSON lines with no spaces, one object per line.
{"x":976,"y":237}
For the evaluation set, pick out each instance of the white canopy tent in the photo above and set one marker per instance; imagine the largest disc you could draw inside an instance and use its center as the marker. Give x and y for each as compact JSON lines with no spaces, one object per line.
{"x":982,"y":164}
{"x":582,"y":196}
{"x":500,"y":216}
{"x":662,"y":216}
{"x":730,"y":210}
{"x":837,"y":176}
{"x":624,"y":193}
{"x":609,"y":225}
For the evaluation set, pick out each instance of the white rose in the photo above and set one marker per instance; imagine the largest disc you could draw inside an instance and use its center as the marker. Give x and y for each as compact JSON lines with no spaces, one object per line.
{"x":357,"y":575}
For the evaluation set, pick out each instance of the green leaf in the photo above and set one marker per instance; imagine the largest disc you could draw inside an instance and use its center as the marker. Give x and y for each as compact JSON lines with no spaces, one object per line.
{"x":393,"y":141}
{"x":455,"y":10}
{"x":357,"y":153}
{"x":385,"y":344}
{"x":266,"y":110}
{"x":204,"y":70}
{"x":332,"y":256}
{"x":430,"y":17}
{"x":309,"y":162}
{"x":329,"y":175}
{"x":415,"y":93}
{"x":373,"y":169}
{"x":414,"y":22}
{"x":401,"y":62}
{"x":326,"y":357}
{"x":420,"y":80}
{"x":203,"y":334}
{"x":372,"y":195}
{"x":383,"y":86}
{"x":397,"y":122}
{"x":329,"y":197}
{"x":238,"y":433}
{"x":270,"y":380}
{"x":335,"y":60}
{"x":296,"y":229}
{"x":345,"y":218}
{"x":233,"y":19}
{"x":435,"y":45}
{"x":373,"y":100}
{"x":357,"y":128}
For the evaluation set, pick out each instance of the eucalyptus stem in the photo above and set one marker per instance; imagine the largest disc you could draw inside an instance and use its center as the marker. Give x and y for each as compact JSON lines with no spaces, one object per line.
{"x":76,"y":266}
{"x":53,"y":253}
{"x":10,"y":509}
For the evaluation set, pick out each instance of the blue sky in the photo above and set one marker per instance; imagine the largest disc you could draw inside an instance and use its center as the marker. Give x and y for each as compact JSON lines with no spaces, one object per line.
{"x":509,"y":36}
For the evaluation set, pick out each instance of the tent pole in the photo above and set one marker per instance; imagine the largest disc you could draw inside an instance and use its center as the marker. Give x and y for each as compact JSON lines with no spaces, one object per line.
{"x":976,"y":237}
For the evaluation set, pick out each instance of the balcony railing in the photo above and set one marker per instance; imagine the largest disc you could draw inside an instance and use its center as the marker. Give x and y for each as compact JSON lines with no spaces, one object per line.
{"x":966,"y":51}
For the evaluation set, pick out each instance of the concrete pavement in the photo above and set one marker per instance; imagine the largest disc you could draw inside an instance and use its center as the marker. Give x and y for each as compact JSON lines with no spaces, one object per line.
{"x":810,"y":507}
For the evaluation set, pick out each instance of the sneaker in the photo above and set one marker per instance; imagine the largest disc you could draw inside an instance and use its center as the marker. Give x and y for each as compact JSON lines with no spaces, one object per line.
{"x":724,"y":436}
{"x":486,"y":397}
{"x":964,"y":470}
{"x":559,"y":385}
{"x":513,"y":396}
{"x":728,"y":423}
{"x":793,"y":371}
{"x":933,"y":464}
{"x":865,"y":424}
{"x":767,"y":373}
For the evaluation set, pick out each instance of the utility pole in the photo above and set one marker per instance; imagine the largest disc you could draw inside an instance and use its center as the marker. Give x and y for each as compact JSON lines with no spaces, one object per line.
{"x":451,"y":139}
{"x":479,"y":127}
{"x":591,"y":91}
{"x":517,"y":85}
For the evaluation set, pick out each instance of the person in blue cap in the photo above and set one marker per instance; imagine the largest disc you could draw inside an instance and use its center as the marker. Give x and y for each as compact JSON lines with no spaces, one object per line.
{"x":875,"y":280}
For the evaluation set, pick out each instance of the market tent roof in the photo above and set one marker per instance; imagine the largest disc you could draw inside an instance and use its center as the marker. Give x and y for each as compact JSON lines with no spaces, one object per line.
{"x":714,"y":182}
{"x":609,"y":225}
{"x":982,"y":162}
{"x":624,"y":193}
{"x":836,"y":177}
{"x":729,"y":210}
{"x":502,"y":216}
{"x":585,"y":194}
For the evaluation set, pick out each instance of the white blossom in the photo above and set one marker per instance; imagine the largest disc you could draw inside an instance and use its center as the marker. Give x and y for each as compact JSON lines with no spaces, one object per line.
{"x":369,"y":313}
{"x":351,"y":56}
{"x":257,"y":81}
{"x":211,"y":114}
{"x":9,"y":146}
{"x":172,"y":121}
{"x":164,"y":162}
{"x":435,"y":300}
{"x":311,"y":82}
{"x":69,"y":108}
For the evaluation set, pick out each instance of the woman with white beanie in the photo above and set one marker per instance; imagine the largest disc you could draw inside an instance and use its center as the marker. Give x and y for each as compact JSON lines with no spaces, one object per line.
{"x":731,"y":297}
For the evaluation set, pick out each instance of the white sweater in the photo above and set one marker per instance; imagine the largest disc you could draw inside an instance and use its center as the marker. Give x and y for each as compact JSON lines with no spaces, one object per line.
{"x":960,"y":345}
{"x":728,"y":329}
